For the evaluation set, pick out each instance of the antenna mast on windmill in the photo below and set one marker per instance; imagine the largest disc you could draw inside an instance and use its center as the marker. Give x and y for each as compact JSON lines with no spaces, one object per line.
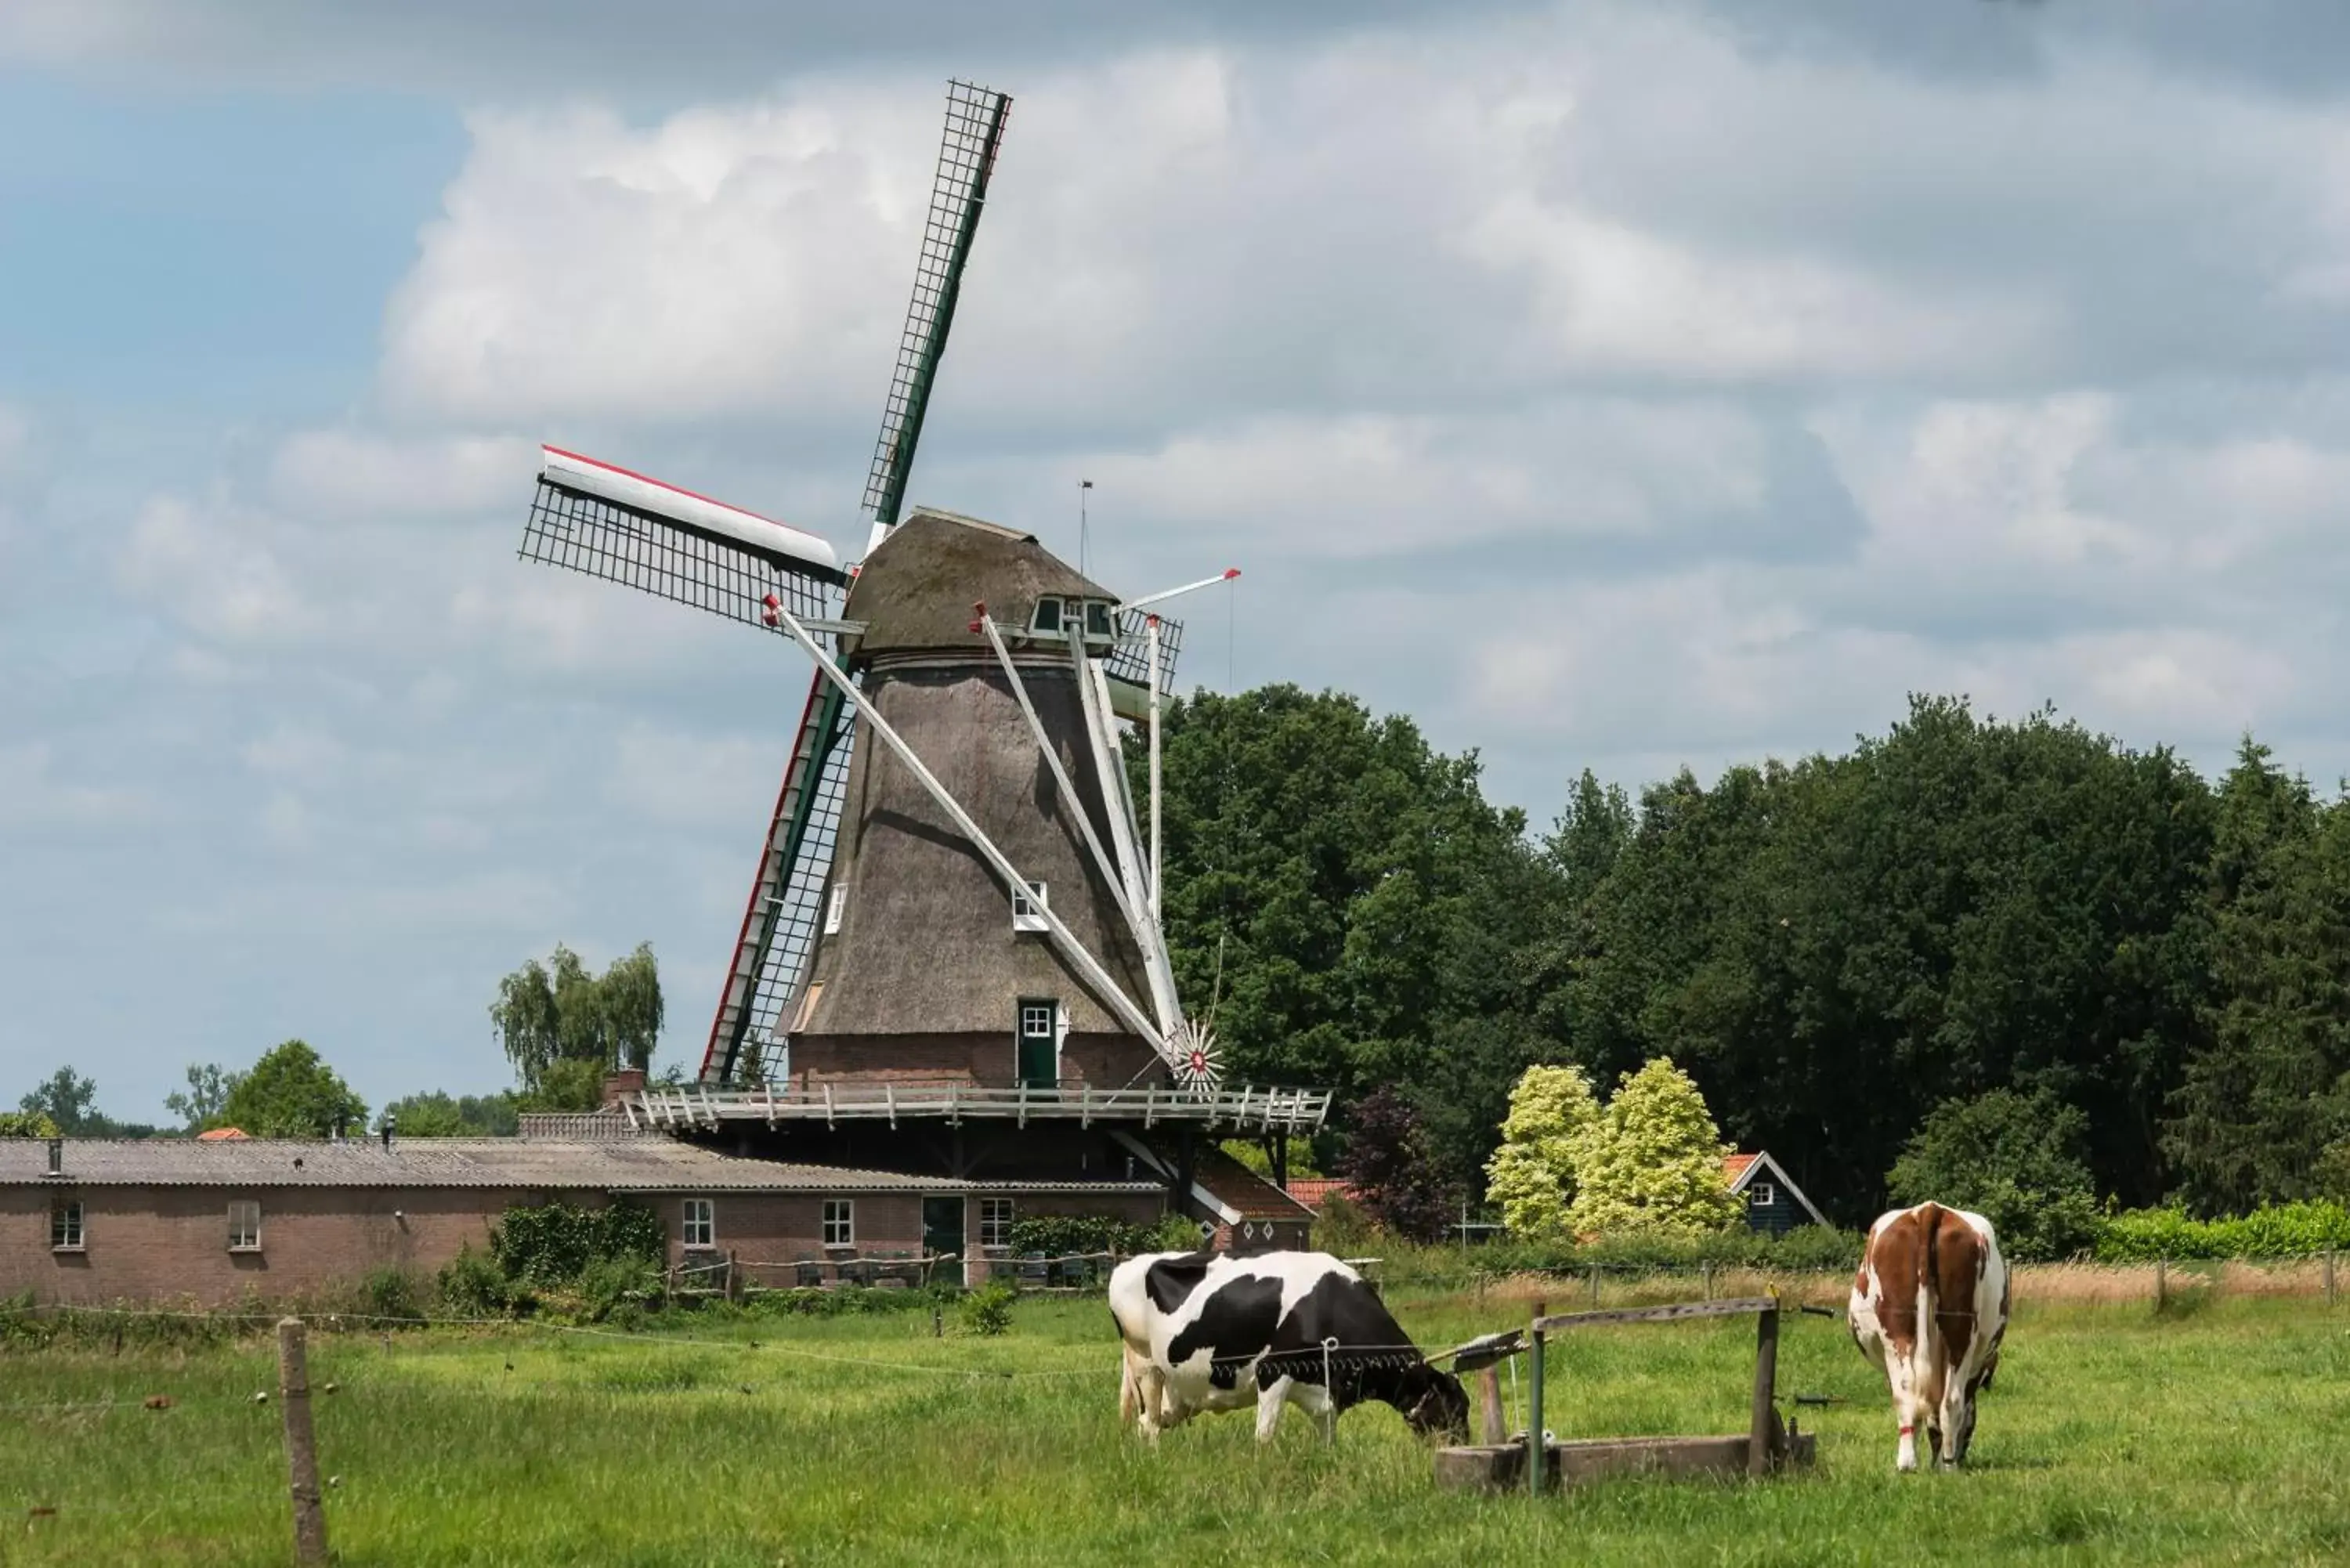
{"x":953,"y":888}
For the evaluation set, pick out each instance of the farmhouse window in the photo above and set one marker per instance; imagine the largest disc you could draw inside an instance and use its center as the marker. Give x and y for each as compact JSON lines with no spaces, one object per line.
{"x":701,"y":1222}
{"x":64,"y":1227}
{"x":833,"y":905}
{"x":995,"y":1222}
{"x":1028,"y":908}
{"x":840,"y":1222}
{"x":245,"y":1226}
{"x":1762,"y":1195}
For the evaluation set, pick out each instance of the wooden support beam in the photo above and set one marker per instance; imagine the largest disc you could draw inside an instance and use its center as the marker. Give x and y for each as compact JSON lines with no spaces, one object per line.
{"x":1760,"y":1446}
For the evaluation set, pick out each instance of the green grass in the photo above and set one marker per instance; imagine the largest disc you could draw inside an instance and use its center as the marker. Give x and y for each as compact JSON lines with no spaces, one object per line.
{"x":2218,"y":1434}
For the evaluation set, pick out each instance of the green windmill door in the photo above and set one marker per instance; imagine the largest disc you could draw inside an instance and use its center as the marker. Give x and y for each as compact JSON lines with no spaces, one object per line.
{"x":1040,"y":1045}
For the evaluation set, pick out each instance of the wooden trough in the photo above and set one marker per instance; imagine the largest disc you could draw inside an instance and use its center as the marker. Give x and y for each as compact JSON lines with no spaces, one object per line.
{"x":1766,"y":1446}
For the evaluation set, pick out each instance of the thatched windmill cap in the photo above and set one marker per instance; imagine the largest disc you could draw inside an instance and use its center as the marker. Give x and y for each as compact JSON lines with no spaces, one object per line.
{"x":915,"y":591}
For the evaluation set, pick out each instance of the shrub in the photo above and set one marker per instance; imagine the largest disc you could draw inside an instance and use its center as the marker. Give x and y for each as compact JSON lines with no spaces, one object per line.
{"x":472,"y":1285}
{"x":987,"y":1310}
{"x":1389,"y":1162}
{"x":1061,"y":1235}
{"x":554,"y":1244}
{"x":1531,"y":1178}
{"x":2285,"y":1230}
{"x":611,"y":1286}
{"x":2017,"y":1160}
{"x":1341,"y":1227}
{"x":1650,"y":1161}
{"x":390,"y":1295}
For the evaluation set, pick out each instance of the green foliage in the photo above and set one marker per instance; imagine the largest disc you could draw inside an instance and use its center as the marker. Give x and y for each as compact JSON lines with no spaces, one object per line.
{"x":1351,"y":906}
{"x":553,"y":1244}
{"x":471,"y":1284}
{"x":1063,"y":1235}
{"x":1253,"y":1154}
{"x":2015,"y":1159}
{"x":391,"y":1295}
{"x":1389,"y":1167}
{"x":439,"y":1115}
{"x":2332,"y":1176}
{"x":559,"y":1025}
{"x":611,"y":1286}
{"x":1531,"y":1178}
{"x":1650,"y":1161}
{"x":1806,"y":1248}
{"x":290,"y":1093}
{"x":2271,"y":1090}
{"x":2281,"y":1230}
{"x":199,"y":1105}
{"x":988,"y":1310}
{"x":1833,"y":948}
{"x":28,"y":1124}
{"x":1342,"y":1227}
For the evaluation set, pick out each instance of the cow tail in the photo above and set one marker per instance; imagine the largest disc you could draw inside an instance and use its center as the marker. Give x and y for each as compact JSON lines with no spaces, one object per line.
{"x":1930,"y":1372}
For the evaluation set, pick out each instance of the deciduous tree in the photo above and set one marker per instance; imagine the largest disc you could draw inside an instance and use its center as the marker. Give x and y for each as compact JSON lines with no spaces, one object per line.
{"x":1650,"y":1162}
{"x":2014,"y":1159}
{"x":1531,"y":1178}
{"x":291,"y":1093}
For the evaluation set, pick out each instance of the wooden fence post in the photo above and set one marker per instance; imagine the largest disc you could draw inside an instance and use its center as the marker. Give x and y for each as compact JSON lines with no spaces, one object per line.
{"x":1594,"y":1284}
{"x":2161,"y":1284}
{"x":1705,"y":1275}
{"x":2329,"y":1276}
{"x":1537,"y":1456}
{"x":1766,"y":1375}
{"x":301,"y":1449}
{"x":1489,"y":1387}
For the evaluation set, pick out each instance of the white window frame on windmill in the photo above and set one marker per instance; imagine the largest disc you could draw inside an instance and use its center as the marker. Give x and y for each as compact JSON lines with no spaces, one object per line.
{"x":834,"y":903}
{"x":1028,"y":905}
{"x":1100,"y":626}
{"x":1049,"y":606}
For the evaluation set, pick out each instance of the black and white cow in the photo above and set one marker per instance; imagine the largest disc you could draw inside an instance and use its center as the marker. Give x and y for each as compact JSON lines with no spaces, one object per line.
{"x":1209,"y":1330}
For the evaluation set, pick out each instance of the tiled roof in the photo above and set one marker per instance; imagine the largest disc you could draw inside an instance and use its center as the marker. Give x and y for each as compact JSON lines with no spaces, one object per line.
{"x":1312,"y":1190}
{"x":1238,"y":1187}
{"x":639,"y":1165}
{"x":1733,"y":1166}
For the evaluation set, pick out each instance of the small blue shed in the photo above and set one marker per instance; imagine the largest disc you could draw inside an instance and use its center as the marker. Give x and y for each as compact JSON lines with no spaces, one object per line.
{"x":1773,"y":1203}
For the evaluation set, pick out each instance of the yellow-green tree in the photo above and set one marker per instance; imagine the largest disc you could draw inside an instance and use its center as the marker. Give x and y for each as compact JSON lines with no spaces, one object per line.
{"x":1651,"y":1162}
{"x":1531,"y":1178}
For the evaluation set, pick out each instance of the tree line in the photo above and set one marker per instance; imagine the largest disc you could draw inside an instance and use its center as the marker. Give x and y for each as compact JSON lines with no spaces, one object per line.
{"x":2010,"y":932}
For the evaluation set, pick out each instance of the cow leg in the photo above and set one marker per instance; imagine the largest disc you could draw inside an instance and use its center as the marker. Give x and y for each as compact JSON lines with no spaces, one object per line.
{"x":1269,"y":1401}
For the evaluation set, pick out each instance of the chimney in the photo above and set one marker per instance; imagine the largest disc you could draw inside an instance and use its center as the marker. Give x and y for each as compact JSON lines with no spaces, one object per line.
{"x":56,"y":1156}
{"x":621,"y":1084}
{"x":390,"y":1122}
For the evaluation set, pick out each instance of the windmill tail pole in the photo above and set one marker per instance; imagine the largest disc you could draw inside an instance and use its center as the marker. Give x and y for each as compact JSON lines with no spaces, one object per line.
{"x":1088,"y":968}
{"x":1150,"y":633}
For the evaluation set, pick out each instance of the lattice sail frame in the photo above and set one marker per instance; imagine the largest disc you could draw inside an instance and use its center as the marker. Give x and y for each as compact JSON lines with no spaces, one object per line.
{"x":659,"y":555}
{"x":974,"y":132}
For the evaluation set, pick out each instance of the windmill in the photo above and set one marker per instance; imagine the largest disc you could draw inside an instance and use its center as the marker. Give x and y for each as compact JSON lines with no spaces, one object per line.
{"x":953,"y":885}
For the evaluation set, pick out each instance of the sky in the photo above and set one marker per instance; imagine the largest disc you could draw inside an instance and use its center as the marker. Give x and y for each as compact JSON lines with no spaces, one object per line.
{"x":1630,"y":385}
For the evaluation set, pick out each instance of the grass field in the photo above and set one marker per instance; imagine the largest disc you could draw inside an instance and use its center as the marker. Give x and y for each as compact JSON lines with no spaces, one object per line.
{"x":2219,"y":1432}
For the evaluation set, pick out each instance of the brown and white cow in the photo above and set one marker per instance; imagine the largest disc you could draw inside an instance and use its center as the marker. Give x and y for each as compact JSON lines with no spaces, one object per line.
{"x":1929,"y":1307}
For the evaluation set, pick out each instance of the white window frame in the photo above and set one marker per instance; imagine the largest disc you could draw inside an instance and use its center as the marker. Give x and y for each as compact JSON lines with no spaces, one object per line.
{"x":839,"y":1222}
{"x":1027,"y":906}
{"x":68,"y":1226}
{"x":995,"y":1216}
{"x":1762,"y":1195}
{"x":698,"y":1215}
{"x":834,"y":903}
{"x":1109,"y":614}
{"x":1050,"y":1015}
{"x":243,"y":1237}
{"x":1060,"y":627}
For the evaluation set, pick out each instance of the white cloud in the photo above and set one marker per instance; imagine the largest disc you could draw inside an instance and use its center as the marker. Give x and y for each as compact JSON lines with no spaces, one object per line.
{"x":32,"y":794}
{"x":337,"y":473}
{"x":214,"y":571}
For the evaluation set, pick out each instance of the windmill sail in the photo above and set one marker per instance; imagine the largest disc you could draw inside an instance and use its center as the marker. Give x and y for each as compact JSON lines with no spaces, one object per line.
{"x":780,"y":923}
{"x":974,"y":131}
